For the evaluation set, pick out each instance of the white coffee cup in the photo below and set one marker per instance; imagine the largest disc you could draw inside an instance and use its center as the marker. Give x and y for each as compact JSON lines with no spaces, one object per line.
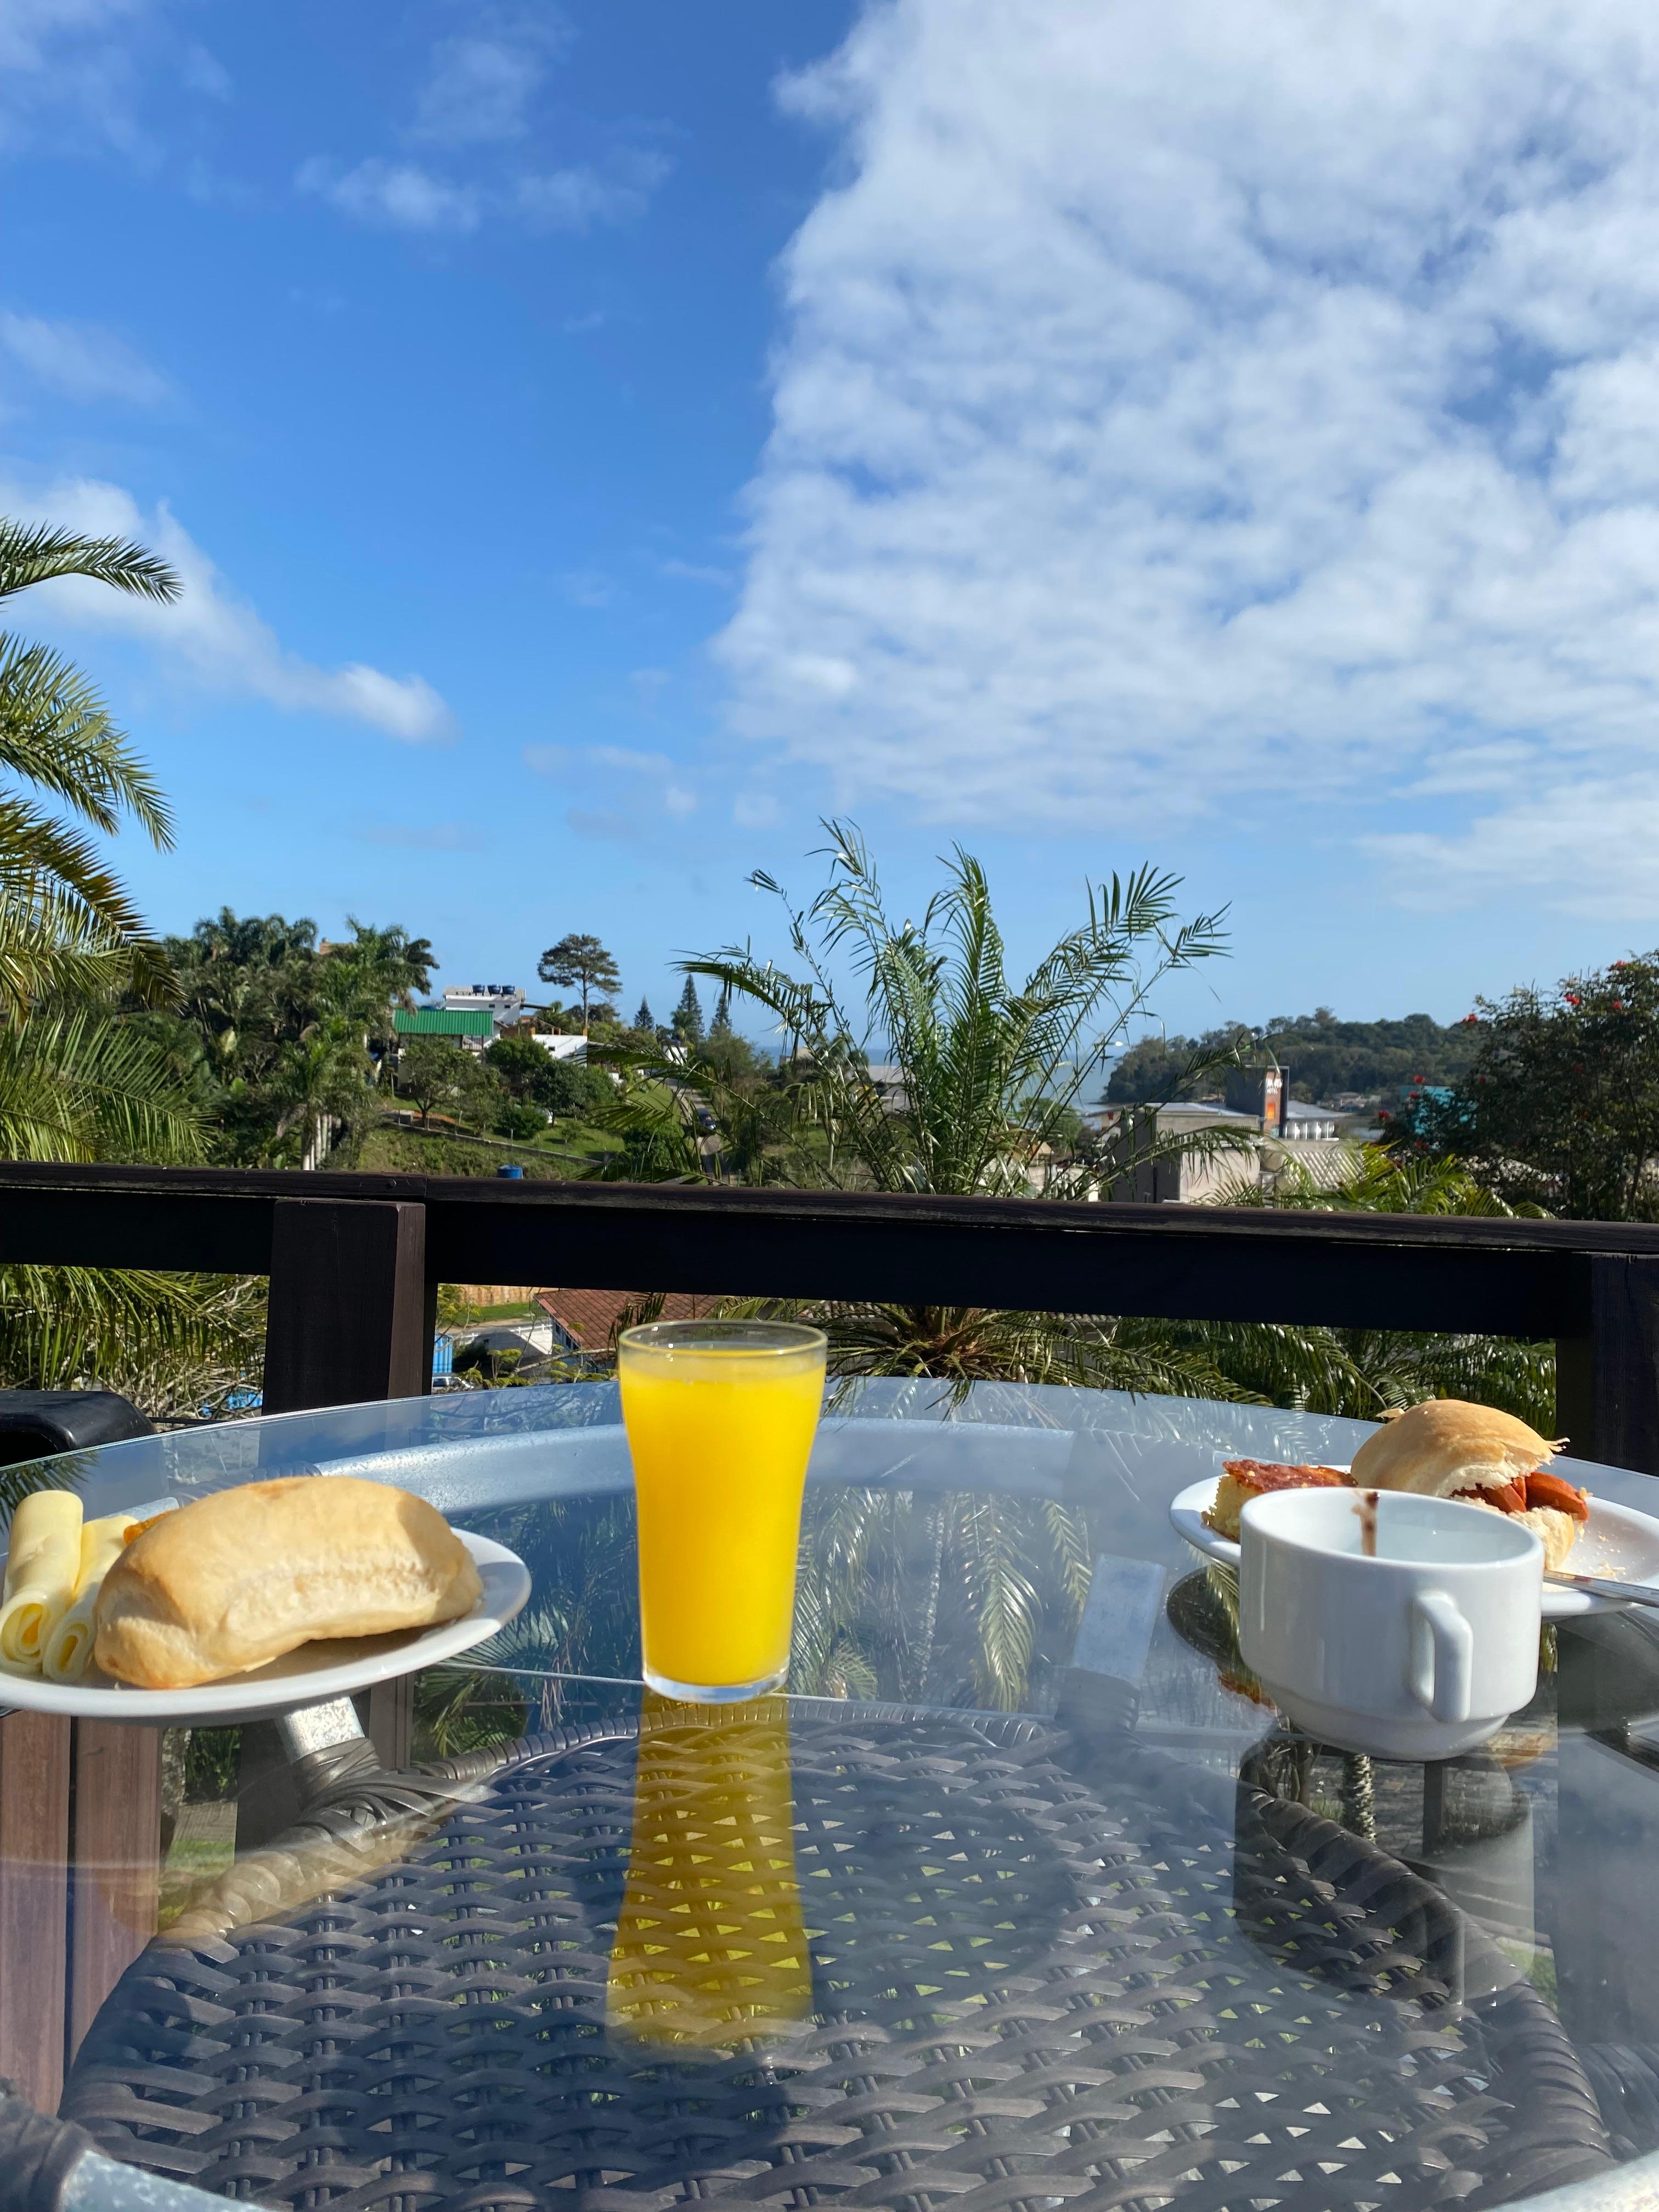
{"x":1421,"y":1652}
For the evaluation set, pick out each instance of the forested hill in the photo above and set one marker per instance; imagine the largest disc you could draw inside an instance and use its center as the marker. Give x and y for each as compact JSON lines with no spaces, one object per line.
{"x":1322,"y":1056}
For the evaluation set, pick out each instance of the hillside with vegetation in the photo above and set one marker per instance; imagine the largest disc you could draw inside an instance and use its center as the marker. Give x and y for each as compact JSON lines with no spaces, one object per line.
{"x":1325,"y":1059}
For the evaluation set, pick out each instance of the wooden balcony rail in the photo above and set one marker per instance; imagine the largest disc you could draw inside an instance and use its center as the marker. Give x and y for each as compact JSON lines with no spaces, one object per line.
{"x":355,"y":1261}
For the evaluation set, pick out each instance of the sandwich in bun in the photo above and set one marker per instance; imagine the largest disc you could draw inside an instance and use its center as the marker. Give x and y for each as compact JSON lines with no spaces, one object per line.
{"x":1445,"y":1448}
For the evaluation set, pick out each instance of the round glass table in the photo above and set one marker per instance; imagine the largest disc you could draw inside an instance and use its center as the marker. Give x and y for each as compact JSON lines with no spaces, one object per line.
{"x":1023,"y":1893}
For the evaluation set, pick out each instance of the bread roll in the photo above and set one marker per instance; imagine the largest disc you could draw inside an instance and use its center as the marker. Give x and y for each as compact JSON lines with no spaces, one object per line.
{"x":1556,"y":1532}
{"x":1446,"y":1448}
{"x":239,"y":1578}
{"x":43,"y":1564}
{"x":1445,"y":1445}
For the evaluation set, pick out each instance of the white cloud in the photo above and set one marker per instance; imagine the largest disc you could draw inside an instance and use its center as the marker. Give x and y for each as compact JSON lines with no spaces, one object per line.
{"x":1186,"y":402}
{"x":695,"y":572}
{"x":1584,"y":847}
{"x":207,"y":635}
{"x":630,"y":762}
{"x":622,"y":760}
{"x":204,"y":73}
{"x":755,"y":809}
{"x":33,"y":31}
{"x":81,"y":360}
{"x":576,"y":199}
{"x":404,"y":196}
{"x":587,"y":587}
{"x":477,"y":96}
{"x":546,"y":760}
{"x":392,"y":195}
{"x":479,"y":86}
{"x":66,"y":75}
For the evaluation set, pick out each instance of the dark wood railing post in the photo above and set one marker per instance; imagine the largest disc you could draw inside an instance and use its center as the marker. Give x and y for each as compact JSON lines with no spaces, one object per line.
{"x":348,"y":1313}
{"x":1607,"y":1387}
{"x":34,"y":1840}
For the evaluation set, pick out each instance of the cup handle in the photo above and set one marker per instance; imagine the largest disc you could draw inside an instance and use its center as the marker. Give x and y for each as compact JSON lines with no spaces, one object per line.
{"x":1438,"y":1672}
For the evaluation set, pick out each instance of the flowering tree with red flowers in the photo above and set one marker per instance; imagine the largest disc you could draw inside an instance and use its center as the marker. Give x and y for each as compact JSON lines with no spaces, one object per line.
{"x":1561,"y":1106}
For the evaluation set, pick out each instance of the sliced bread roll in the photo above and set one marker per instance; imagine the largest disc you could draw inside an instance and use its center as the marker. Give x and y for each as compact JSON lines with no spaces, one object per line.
{"x":237,"y":1579}
{"x":1447,"y":1448}
{"x":1556,"y":1531}
{"x":1446,"y":1445}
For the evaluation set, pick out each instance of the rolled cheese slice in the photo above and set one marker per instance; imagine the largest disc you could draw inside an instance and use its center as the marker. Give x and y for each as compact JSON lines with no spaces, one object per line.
{"x":43,"y":1564}
{"x":67,"y":1650}
{"x":237,"y":1579}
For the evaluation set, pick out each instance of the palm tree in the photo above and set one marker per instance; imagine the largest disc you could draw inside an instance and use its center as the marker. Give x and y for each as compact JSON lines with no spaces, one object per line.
{"x":77,"y":1081}
{"x":81,"y":1085}
{"x":982,"y":1082}
{"x":67,"y":926}
{"x":985,"y":1072}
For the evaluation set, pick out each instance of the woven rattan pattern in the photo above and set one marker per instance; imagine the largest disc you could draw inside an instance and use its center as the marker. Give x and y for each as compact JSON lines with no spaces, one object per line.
{"x":1028,"y":1985}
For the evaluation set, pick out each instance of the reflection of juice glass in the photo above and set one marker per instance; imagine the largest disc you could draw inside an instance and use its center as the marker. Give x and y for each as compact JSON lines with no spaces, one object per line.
{"x":710,"y":1947}
{"x":720,"y":1416}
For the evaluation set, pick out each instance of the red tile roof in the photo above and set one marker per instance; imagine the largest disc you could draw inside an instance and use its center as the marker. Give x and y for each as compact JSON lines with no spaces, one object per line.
{"x":589,"y":1318}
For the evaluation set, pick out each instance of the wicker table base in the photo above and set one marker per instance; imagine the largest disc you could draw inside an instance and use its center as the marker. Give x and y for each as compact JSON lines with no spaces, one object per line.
{"x":1038,"y":1971}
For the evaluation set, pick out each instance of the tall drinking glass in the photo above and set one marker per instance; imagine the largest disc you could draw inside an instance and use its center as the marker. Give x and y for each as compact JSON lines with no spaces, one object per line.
{"x":720,"y":1416}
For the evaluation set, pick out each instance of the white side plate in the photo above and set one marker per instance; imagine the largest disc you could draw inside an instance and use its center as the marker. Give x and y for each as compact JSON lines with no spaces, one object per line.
{"x":314,"y":1673}
{"x":1616,"y":1541}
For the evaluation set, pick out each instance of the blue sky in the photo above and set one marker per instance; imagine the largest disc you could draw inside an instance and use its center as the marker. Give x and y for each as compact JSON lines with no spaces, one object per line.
{"x":599,"y":439}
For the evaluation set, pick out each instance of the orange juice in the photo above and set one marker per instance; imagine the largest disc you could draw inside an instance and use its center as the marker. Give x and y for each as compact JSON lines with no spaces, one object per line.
{"x":710,"y":1944}
{"x":721,"y":1416}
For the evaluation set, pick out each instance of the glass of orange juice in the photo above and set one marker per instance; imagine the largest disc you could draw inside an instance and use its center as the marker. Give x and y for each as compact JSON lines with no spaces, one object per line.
{"x":721,"y":1416}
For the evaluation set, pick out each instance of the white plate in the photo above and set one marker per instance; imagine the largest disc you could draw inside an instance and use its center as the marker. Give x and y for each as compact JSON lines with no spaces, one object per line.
{"x":316,"y":1672}
{"x":1616,"y":1541}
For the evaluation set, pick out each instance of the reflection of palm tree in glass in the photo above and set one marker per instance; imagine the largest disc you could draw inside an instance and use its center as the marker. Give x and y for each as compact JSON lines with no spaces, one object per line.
{"x":710,"y":1947}
{"x":934,"y":1597}
{"x":585,"y":1620}
{"x":945,"y":1598}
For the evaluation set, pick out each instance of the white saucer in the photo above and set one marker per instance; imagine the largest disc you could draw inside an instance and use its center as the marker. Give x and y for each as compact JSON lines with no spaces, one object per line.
{"x":309,"y":1676}
{"x":1616,"y":1541}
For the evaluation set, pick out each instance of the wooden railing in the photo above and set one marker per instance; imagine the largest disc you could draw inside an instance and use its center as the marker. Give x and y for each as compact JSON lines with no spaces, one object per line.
{"x":355,"y":1261}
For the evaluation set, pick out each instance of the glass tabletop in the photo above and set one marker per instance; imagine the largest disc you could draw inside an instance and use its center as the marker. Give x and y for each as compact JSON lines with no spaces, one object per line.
{"x":1023,"y":1892}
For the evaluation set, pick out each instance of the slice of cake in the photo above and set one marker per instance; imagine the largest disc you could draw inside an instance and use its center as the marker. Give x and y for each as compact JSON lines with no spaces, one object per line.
{"x":1244,"y":1479}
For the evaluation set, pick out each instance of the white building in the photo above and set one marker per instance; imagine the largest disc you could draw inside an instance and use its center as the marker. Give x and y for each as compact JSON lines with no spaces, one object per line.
{"x":562,"y":1048}
{"x":503,"y":1002}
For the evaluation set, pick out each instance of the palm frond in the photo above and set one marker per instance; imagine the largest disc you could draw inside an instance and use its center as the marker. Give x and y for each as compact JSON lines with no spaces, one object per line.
{"x":81,"y":1087}
{"x":56,"y":732}
{"x":32,"y":553}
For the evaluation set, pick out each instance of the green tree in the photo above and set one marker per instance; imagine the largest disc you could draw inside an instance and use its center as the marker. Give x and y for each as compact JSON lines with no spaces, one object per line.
{"x":67,"y":926}
{"x":579,"y":963}
{"x":989,"y":1070}
{"x":437,"y":1073}
{"x":688,"y":1017}
{"x":532,"y":1077}
{"x":80,"y":1079}
{"x":373,"y":974}
{"x":1560,"y":1108}
{"x":288,"y":1036}
{"x":1320,"y":1056}
{"x":645,"y":1021}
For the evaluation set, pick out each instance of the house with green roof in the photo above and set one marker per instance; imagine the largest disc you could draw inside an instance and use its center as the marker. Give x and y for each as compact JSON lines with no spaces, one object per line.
{"x":472,"y":1027}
